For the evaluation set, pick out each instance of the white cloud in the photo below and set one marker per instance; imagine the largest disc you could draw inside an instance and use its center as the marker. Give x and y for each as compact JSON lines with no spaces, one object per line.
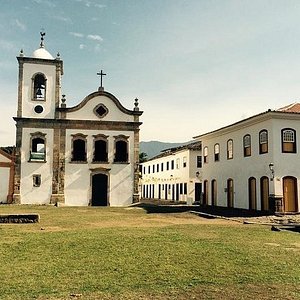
{"x":88,"y":3}
{"x":97,"y":48}
{"x":95,"y":37}
{"x":100,"y":5}
{"x":63,"y":19}
{"x":45,"y":2}
{"x":20,"y":25}
{"x":82,"y":46}
{"x":7,"y":45}
{"x":77,"y":34}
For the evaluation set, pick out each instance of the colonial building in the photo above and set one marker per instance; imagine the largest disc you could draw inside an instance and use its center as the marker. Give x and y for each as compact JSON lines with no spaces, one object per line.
{"x":255,"y":163}
{"x":7,"y":168}
{"x":82,"y":155}
{"x":174,"y":174}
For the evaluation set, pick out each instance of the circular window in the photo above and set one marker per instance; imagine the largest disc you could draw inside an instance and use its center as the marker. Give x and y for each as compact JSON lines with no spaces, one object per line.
{"x":38,"y":109}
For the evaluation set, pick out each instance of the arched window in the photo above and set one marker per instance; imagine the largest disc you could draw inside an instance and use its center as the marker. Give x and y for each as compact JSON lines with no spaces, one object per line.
{"x":263,"y":141}
{"x":100,"y":148}
{"x":39,"y":87}
{"x":205,"y":155}
{"x":37,"y":147}
{"x":288,"y":140}
{"x":121,"y":149}
{"x":79,"y":148}
{"x":229,"y":149}
{"x":217,"y":152}
{"x":247,"y":145}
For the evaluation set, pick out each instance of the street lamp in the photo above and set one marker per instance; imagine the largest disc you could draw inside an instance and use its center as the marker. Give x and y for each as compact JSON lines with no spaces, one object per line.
{"x":271,"y":167}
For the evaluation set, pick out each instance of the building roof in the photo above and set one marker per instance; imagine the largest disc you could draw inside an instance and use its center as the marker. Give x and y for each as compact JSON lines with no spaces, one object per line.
{"x":9,"y":149}
{"x":8,"y":152}
{"x":171,"y":151}
{"x":291,"y":109}
{"x":42,"y":53}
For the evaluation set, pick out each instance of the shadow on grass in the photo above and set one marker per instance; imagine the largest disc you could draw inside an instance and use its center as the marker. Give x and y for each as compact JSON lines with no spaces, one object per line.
{"x":171,"y":207}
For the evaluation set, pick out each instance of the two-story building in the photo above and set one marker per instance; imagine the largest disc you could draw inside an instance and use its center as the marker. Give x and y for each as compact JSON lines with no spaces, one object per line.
{"x":175,"y":174}
{"x":247,"y":162}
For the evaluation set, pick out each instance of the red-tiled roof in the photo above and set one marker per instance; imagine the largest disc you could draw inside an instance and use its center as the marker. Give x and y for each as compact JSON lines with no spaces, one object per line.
{"x":291,"y":108}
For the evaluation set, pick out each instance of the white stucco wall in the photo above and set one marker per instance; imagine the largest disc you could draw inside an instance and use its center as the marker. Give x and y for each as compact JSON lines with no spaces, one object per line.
{"x":86,"y":112}
{"x":29,"y":193}
{"x":241,"y":168}
{"x":4,"y":183}
{"x":78,"y":176}
{"x":28,"y":105}
{"x":172,"y":177}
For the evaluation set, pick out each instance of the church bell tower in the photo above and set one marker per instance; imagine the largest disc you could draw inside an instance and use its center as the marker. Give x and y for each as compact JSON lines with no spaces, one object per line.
{"x":39,"y":83}
{"x":39,"y":92}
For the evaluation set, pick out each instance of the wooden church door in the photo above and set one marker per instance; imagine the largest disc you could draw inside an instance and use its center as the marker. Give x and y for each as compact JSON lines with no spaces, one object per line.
{"x":290,"y":194}
{"x":99,"y":190}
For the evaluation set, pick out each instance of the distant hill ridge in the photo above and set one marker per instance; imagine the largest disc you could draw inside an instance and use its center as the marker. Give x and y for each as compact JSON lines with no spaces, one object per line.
{"x":154,"y":148}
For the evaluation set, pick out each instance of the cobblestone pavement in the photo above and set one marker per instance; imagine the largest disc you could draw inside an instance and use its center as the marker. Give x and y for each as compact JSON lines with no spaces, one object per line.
{"x":272,"y":219}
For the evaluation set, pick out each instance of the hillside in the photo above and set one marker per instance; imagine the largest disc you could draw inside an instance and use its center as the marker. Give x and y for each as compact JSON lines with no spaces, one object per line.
{"x":153,"y":148}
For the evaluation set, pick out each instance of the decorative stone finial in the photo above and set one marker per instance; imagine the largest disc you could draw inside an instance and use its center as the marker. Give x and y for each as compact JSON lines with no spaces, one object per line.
{"x":63,"y":101}
{"x":42,"y":33}
{"x":21,"y":53}
{"x":136,"y":104}
{"x":58,"y":56}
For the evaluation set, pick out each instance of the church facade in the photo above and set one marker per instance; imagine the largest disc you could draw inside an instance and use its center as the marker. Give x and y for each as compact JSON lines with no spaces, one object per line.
{"x":82,"y":155}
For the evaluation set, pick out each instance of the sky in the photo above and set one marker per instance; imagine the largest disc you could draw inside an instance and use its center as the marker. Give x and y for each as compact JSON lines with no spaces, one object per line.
{"x":194,"y":65}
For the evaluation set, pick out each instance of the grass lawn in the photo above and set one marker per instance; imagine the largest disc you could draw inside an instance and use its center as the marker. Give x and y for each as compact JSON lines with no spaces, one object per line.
{"x":119,"y":253}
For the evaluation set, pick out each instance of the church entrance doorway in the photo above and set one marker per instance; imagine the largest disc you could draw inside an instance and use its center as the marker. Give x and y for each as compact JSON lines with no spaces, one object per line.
{"x":99,"y":190}
{"x":290,"y":194}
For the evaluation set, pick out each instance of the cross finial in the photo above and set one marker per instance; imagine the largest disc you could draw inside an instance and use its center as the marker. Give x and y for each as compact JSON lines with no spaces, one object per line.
{"x":101,"y":74}
{"x":42,"y":33}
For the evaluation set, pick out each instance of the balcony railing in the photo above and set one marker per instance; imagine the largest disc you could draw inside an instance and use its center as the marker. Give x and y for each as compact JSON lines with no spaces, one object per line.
{"x":37,"y":156}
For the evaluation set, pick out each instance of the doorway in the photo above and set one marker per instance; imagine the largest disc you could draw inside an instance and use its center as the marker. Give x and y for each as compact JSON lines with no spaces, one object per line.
{"x":264,"y":193}
{"x":230,"y":193}
{"x":290,"y":199}
{"x":252,"y":193}
{"x":99,"y":190}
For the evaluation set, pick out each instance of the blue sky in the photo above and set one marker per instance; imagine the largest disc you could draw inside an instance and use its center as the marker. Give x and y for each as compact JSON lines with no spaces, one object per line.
{"x":195,"y":65}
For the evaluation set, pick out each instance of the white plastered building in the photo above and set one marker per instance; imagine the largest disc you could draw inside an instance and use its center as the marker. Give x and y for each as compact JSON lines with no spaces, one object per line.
{"x":82,"y":155}
{"x":7,"y":167}
{"x":173,"y":175}
{"x":254,"y":163}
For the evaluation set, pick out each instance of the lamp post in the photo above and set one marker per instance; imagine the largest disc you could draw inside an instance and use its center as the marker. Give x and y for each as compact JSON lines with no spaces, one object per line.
{"x":271,"y":167}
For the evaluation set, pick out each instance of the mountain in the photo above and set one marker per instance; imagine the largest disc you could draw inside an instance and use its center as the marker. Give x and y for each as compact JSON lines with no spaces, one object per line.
{"x":153,"y":148}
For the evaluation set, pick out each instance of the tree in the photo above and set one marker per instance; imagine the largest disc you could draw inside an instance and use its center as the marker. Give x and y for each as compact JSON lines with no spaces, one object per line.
{"x":143,"y":157}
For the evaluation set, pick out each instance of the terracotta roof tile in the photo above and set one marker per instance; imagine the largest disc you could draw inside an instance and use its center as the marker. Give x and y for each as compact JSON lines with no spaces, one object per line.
{"x":292,"y":108}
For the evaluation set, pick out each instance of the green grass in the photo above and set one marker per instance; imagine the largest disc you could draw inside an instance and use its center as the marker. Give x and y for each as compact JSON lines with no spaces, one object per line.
{"x":115,"y":253}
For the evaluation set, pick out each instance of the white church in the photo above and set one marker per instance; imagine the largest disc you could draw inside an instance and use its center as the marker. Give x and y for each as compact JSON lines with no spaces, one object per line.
{"x":82,"y":155}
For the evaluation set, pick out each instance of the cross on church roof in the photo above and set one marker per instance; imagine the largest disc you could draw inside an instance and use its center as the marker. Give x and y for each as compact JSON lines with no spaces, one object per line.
{"x":101,"y":74}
